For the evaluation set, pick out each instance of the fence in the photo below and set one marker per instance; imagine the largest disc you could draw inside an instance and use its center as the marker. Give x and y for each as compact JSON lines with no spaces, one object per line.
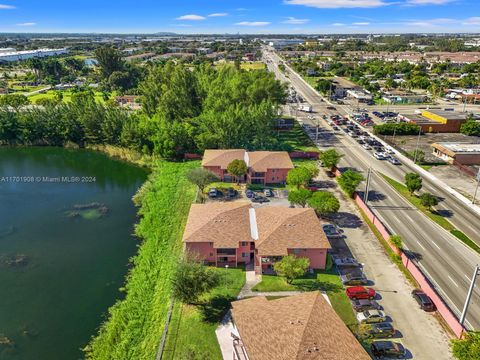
{"x":414,"y":270}
{"x":304,"y":154}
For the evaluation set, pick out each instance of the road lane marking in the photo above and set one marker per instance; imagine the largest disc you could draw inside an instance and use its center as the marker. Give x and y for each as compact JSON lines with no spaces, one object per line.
{"x":452,"y":280}
{"x":423,"y":247}
{"x":434,"y":243}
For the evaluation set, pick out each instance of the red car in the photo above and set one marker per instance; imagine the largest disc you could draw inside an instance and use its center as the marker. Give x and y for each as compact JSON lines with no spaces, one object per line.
{"x":360,"y":292}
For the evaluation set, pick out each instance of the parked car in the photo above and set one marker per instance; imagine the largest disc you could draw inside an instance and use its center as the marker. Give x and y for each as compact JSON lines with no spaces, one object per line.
{"x":249,"y":193}
{"x":367,"y":147}
{"x":360,"y":292}
{"x":393,"y":160}
{"x":232,"y":193}
{"x":354,"y":277}
{"x":371,"y":316}
{"x":259,"y":199}
{"x":268,"y":192}
{"x":365,"y":304}
{"x":336,"y":128}
{"x":381,"y":330}
{"x":382,"y":349}
{"x":332,"y":231}
{"x":331,"y":108}
{"x":213,"y":193}
{"x":346,"y":262}
{"x":423,"y":300}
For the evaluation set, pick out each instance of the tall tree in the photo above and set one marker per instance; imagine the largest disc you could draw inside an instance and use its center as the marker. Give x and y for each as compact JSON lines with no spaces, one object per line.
{"x":299,"y":196}
{"x":330,"y":158}
{"x":109,"y":60}
{"x":291,"y":267}
{"x":413,"y":182}
{"x":324,"y":203}
{"x":237,"y":168}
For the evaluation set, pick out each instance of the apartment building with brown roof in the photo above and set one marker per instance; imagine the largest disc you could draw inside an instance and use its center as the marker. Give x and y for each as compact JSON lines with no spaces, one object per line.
{"x":264,"y":167}
{"x":233,"y":233}
{"x":300,"y":327}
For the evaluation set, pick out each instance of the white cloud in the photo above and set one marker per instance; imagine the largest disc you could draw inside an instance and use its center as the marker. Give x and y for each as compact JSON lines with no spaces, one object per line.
{"x":361,"y":23}
{"x":27,"y":24}
{"x":218,"y":14}
{"x":295,"y":21}
{"x":191,"y":17}
{"x":334,"y":4}
{"x":6,"y":7}
{"x":338,"y":24}
{"x":428,"y":2}
{"x":473,"y":21}
{"x":253,"y":23}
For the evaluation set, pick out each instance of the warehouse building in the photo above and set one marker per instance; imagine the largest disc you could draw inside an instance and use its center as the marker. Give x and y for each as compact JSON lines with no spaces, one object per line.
{"x":458,"y":153}
{"x":437,"y":121}
{"x":29,"y":54}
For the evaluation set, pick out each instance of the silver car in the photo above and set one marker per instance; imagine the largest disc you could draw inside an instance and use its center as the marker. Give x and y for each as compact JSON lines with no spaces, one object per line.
{"x":371,"y":316}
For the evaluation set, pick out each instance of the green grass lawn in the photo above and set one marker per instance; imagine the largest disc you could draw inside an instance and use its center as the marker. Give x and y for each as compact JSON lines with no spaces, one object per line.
{"x":255,"y":65}
{"x":67,"y":96}
{"x":297,"y":139}
{"x":312,"y":80}
{"x":327,"y":281}
{"x":192,"y":328}
{"x":439,"y":219}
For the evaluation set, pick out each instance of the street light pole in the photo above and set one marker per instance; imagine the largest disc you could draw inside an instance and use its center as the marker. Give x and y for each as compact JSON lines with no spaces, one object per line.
{"x":469,"y":295}
{"x":416,"y":147}
{"x":367,"y":185}
{"x":476,"y":188}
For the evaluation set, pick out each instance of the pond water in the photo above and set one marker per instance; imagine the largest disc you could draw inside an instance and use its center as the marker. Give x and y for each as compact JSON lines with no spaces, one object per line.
{"x":66,"y":219}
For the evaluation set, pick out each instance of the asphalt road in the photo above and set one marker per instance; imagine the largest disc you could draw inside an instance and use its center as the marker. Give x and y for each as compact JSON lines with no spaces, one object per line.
{"x":444,"y":259}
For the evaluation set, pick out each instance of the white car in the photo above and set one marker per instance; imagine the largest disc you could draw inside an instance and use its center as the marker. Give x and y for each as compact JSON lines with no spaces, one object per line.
{"x":371,"y":316}
{"x":379,"y":155}
{"x":367,"y":147}
{"x":389,"y":150}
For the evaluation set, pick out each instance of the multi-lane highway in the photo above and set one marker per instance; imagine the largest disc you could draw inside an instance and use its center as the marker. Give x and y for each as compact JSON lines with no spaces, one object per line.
{"x":444,"y":259}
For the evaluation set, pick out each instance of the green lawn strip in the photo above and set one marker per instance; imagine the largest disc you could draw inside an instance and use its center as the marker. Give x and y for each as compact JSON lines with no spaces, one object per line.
{"x":134,"y":325}
{"x":311,"y":80}
{"x":296,"y":138}
{"x":440,"y":220}
{"x":256,"y":65}
{"x":327,"y":281}
{"x":192,"y":328}
{"x":394,"y":257}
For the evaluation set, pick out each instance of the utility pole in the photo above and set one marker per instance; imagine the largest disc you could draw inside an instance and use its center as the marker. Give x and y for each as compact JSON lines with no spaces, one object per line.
{"x":476,"y":188}
{"x":367,"y":185}
{"x":416,"y":147}
{"x":469,"y":295}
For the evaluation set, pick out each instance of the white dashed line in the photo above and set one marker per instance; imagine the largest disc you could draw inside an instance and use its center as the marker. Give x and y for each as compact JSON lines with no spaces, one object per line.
{"x":423,"y":247}
{"x":434,"y":243}
{"x":453,"y":281}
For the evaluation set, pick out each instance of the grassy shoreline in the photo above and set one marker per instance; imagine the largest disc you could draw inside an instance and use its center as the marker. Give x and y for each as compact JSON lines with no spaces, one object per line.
{"x":134,"y":325}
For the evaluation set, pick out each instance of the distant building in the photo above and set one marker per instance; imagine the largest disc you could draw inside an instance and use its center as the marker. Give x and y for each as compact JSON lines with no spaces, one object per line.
{"x":438,"y":121}
{"x":400,"y":97}
{"x":458,"y":153}
{"x":29,"y":54}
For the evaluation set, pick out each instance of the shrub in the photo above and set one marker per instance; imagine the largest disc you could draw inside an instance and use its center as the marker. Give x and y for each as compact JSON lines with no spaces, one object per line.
{"x":291,"y":267}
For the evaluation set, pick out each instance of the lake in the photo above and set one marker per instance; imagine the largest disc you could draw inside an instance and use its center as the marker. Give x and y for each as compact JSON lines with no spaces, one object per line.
{"x":66,"y":224}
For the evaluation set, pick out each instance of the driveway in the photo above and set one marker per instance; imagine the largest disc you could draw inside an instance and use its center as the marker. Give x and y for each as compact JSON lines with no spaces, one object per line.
{"x":420,"y":332}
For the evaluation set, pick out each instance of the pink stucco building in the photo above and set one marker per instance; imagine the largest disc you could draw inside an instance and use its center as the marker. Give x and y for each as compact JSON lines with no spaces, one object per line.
{"x":233,"y":233}
{"x":264,"y":167}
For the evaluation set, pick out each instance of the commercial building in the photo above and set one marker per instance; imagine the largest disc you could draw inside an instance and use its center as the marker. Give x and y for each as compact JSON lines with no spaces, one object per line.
{"x":438,"y":121}
{"x":29,"y":54}
{"x":301,"y":327}
{"x":233,"y":233}
{"x":458,"y":153}
{"x":264,"y":167}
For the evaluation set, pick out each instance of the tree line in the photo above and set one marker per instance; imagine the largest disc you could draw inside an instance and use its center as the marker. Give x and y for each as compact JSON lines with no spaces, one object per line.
{"x":185,"y":109}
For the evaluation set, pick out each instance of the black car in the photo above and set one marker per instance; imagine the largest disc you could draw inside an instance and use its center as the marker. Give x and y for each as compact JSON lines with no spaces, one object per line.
{"x":232,"y":193}
{"x":249,"y":193}
{"x":388,"y":349}
{"x":260,"y":199}
{"x":381,"y":330}
{"x":426,"y":304}
{"x":365,"y":304}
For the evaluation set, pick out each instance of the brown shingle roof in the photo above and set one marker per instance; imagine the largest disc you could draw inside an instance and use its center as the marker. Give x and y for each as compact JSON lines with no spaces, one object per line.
{"x":223,"y":223}
{"x":282,"y":228}
{"x":261,"y":161}
{"x":222,"y":157}
{"x":296,"y":327}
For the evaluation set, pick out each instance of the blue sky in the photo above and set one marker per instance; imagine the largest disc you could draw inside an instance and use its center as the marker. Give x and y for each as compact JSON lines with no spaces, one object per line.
{"x":242,"y":16}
